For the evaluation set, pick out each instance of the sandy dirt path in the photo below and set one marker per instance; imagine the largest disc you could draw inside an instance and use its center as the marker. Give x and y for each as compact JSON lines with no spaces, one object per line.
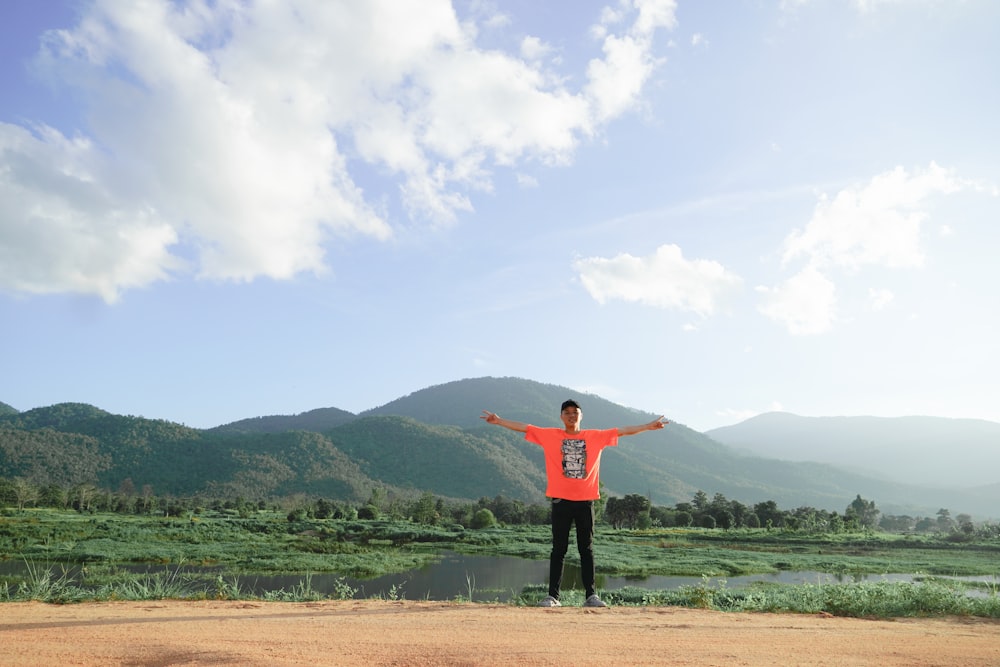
{"x":372,"y":633}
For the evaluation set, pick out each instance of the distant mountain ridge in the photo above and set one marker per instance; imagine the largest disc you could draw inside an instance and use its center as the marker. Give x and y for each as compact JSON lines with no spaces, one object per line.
{"x":931,"y":451}
{"x":461,"y":404}
{"x":318,"y":420}
{"x":430,"y":440}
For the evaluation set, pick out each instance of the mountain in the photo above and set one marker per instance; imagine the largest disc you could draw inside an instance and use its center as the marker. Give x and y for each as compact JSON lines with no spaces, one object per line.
{"x":447,"y":460}
{"x":73,"y":443}
{"x":318,"y":420}
{"x":462,"y":402}
{"x":670,"y":465}
{"x":927,"y":451}
{"x":6,"y":410}
{"x":430,"y":440}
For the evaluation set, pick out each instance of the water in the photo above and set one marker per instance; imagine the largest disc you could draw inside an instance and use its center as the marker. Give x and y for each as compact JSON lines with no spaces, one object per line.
{"x":483,"y":578}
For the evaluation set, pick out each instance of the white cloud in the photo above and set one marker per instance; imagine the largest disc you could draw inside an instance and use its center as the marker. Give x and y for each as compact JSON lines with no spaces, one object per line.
{"x":526,"y":180}
{"x":72,"y":234}
{"x":533,"y":48}
{"x":663,"y":280}
{"x":877,"y":224}
{"x":225,"y":132}
{"x":615,"y":81}
{"x":655,"y":14}
{"x":880,"y":298}
{"x":805,"y":303}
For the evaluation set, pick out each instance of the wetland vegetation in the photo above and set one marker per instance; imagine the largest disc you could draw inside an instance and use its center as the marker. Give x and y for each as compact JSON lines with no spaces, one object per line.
{"x":68,"y":556}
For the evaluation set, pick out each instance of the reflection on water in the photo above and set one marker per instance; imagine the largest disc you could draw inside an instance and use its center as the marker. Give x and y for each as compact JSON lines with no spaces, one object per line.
{"x":455,"y":575}
{"x":484,"y":578}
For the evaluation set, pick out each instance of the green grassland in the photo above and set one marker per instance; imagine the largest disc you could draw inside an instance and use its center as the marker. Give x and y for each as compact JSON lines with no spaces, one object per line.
{"x":96,"y":546}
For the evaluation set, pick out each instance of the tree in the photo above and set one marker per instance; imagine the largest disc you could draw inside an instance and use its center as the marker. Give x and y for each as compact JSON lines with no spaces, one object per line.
{"x":127,"y":488}
{"x":721,"y":511}
{"x":741,"y":514}
{"x":425,"y":511}
{"x":483,"y":518}
{"x":324,"y":509}
{"x":377,"y":498}
{"x":896,"y":524}
{"x":662,"y":516}
{"x":83,"y":497}
{"x":507,"y":511}
{"x":148,"y":501}
{"x":6,"y":492}
{"x":863,"y":512}
{"x":769,"y":514}
{"x":614,"y":512}
{"x":944,"y":520}
{"x":632,"y":511}
{"x":538,"y":514}
{"x":24,"y":492}
{"x":53,"y":495}
{"x":700,"y":501}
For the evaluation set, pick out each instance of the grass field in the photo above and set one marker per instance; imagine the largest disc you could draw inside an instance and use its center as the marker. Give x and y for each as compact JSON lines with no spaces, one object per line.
{"x":74,"y":557}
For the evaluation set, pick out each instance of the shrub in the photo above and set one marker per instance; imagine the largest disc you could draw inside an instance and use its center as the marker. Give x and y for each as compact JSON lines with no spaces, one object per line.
{"x":483,"y":519}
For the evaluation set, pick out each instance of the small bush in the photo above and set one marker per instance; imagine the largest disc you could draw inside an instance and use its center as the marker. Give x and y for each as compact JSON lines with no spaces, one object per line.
{"x":483,"y":518}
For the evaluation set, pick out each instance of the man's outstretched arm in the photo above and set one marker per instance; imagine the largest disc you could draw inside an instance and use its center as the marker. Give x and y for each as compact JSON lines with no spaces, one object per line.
{"x":494,"y":418}
{"x":657,"y":423}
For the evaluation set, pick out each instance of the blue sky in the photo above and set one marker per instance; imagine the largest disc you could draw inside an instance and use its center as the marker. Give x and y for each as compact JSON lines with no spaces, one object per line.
{"x":219,"y":210}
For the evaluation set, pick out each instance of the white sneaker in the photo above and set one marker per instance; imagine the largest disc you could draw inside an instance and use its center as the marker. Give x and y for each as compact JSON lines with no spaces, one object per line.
{"x":594,"y":601}
{"x":549,"y":601}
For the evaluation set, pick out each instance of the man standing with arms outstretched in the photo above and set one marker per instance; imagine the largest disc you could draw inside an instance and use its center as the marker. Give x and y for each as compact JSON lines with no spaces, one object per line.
{"x":572,"y":468}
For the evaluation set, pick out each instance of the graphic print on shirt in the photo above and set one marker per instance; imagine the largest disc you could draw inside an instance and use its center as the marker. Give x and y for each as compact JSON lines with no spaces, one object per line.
{"x":574,"y":458}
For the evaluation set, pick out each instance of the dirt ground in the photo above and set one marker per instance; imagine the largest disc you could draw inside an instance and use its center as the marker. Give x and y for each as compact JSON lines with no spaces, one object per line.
{"x":372,"y":633}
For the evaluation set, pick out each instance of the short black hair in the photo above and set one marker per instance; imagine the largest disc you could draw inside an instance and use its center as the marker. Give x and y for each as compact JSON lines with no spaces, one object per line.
{"x":570,"y":404}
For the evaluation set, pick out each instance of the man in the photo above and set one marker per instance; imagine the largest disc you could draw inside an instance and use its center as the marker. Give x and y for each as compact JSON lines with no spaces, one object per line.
{"x":572,"y":468}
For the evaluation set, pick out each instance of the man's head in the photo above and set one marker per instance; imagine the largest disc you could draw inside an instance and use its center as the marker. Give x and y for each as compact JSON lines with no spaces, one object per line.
{"x":571,"y":415}
{"x":569,"y":404}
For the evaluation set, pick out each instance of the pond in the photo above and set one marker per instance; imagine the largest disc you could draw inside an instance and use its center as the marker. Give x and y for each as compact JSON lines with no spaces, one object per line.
{"x":481,"y":578}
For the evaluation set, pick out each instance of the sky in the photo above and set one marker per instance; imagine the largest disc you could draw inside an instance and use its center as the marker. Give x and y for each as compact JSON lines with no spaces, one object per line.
{"x":219,"y":209}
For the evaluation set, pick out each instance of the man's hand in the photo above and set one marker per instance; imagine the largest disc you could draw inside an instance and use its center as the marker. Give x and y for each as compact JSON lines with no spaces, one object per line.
{"x":657,"y":423}
{"x":494,"y":418}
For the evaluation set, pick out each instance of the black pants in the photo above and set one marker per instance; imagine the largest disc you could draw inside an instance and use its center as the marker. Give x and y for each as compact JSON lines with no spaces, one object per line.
{"x":564,"y":514}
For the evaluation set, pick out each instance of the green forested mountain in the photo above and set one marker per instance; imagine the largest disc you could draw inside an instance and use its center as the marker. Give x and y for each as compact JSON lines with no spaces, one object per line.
{"x":447,"y":460}
{"x":431,"y":440}
{"x":461,"y":403}
{"x":668,"y":465}
{"x":319,"y":420}
{"x":47,"y":456}
{"x":71,"y":443}
{"x":6,"y":410}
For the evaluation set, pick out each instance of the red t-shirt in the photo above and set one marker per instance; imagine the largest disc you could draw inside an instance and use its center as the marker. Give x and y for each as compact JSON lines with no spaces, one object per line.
{"x":572,"y":461}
